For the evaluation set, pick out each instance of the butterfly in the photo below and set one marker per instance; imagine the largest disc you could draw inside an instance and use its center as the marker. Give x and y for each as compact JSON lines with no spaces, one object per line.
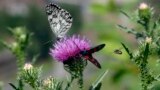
{"x":59,"y":19}
{"x":87,"y":54}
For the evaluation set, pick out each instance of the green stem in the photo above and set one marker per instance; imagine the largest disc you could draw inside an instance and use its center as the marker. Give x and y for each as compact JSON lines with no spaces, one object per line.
{"x":69,"y":83}
{"x":144,"y":69}
{"x":146,"y":78}
{"x":80,"y":81}
{"x":146,"y":26}
{"x":20,"y":61}
{"x":144,"y":75}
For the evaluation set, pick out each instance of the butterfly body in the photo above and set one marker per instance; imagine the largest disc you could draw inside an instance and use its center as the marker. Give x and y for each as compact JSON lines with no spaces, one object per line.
{"x":87,"y":54}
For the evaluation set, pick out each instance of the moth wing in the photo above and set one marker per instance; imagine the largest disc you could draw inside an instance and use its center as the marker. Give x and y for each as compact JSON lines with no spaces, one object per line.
{"x":96,"y":49}
{"x":93,"y":60}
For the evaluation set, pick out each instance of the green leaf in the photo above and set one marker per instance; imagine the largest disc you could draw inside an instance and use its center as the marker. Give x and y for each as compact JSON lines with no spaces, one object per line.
{"x":59,"y":86}
{"x":127,"y":50}
{"x":20,"y":85}
{"x":128,"y":30}
{"x":146,"y":52}
{"x":10,"y":30}
{"x":97,"y":84}
{"x":34,"y":59}
{"x":13,"y":86}
{"x":5,"y":44}
{"x":69,"y":83}
{"x":124,"y":13}
{"x":98,"y":87}
{"x":154,"y":25}
{"x":131,"y":31}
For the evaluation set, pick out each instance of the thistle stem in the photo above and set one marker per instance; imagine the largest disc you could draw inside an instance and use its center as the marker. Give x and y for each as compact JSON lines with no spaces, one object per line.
{"x":80,"y":81}
{"x":69,"y":83}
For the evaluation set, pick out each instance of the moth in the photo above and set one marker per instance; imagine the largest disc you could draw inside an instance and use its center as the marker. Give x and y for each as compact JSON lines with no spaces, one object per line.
{"x":87,"y":54}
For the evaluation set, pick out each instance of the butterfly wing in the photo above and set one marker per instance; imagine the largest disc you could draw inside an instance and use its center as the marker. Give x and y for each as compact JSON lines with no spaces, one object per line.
{"x":92,"y":60}
{"x":59,"y":19}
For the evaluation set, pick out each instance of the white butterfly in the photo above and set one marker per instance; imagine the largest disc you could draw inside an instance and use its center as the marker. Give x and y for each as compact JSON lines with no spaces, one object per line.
{"x":59,"y":19}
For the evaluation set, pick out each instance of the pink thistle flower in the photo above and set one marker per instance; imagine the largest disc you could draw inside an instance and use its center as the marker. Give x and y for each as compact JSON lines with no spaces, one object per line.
{"x":69,"y":47}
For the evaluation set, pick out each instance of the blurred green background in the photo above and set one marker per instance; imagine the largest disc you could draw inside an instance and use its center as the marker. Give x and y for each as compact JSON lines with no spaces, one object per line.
{"x":94,"y":19}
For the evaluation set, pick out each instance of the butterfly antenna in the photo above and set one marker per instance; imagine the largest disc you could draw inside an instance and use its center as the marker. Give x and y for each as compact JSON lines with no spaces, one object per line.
{"x":47,"y":42}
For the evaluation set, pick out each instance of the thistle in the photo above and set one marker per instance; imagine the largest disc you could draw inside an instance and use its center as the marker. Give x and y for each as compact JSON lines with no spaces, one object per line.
{"x":148,"y":43}
{"x":51,"y":84}
{"x":73,"y":53}
{"x":19,"y":46}
{"x":31,"y":76}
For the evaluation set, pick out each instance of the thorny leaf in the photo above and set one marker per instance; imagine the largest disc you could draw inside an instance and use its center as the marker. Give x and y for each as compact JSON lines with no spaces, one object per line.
{"x":128,"y":30}
{"x":97,"y":84}
{"x":34,"y":59}
{"x":13,"y":86}
{"x":125,"y":14}
{"x":127,"y":50}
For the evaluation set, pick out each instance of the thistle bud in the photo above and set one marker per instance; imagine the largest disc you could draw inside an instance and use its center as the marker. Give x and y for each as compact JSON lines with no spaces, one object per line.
{"x":14,"y":46}
{"x":23,"y":37}
{"x":19,"y":31}
{"x":28,"y":66}
{"x":143,"y":6}
{"x":148,"y":40}
{"x":47,"y":82}
{"x":144,"y":12}
{"x":30,"y":74}
{"x":51,"y":84}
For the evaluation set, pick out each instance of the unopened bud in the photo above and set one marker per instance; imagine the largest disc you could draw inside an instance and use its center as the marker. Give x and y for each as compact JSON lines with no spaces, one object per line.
{"x":28,"y":66}
{"x":144,"y":12}
{"x":143,"y":6}
{"x":18,"y":31}
{"x":14,"y":45}
{"x":148,"y":40}
{"x":22,"y":37}
{"x":47,"y":82}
